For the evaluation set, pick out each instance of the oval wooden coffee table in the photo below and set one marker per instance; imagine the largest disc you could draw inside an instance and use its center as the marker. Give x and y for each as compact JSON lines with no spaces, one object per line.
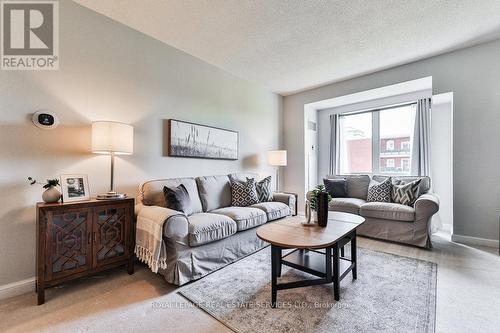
{"x":316,"y":250}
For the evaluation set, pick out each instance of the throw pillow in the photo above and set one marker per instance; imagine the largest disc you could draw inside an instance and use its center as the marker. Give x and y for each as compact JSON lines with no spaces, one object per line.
{"x":380,"y":191}
{"x":337,"y":188}
{"x":405,"y":194}
{"x":177,"y":198}
{"x":243,"y":193}
{"x":264,"y":191}
{"x":420,"y":191}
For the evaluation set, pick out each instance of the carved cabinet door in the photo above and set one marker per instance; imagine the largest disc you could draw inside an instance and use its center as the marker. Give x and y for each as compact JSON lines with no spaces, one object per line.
{"x":111,"y":234}
{"x":68,"y":242}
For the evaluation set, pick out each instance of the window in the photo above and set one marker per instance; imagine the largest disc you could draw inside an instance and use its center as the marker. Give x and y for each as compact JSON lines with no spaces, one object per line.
{"x":405,"y":165}
{"x":356,"y":143}
{"x":396,"y":126}
{"x":389,"y":144}
{"x":377,"y":141}
{"x":405,"y":145}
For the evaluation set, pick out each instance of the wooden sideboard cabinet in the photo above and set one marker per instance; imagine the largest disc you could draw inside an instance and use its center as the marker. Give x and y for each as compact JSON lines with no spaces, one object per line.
{"x":80,"y":238}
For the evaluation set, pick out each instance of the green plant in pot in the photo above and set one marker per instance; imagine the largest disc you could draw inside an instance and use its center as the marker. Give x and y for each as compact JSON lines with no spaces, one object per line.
{"x":51,"y":193}
{"x":312,"y":202}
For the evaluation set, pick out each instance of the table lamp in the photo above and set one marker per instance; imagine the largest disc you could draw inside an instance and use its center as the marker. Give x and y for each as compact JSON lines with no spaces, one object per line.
{"x":277,"y":158}
{"x":112,"y":138}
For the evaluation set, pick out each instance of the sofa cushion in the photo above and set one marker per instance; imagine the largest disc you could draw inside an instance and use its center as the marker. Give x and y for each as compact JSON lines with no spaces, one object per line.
{"x":405,"y":194}
{"x":243,"y":193}
{"x":274,"y":210}
{"x":207,"y":228}
{"x":215,"y":192}
{"x":423,"y":187}
{"x":388,"y":211}
{"x":337,"y":188}
{"x":151,"y":192}
{"x":242,"y":176}
{"x":177,"y":198}
{"x":346,"y":205}
{"x":380,"y":191}
{"x":245,"y":217}
{"x":357,"y":185}
{"x":264,"y":190}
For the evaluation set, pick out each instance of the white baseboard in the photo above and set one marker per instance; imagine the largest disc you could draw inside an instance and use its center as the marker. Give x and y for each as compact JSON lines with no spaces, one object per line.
{"x":17,"y":288}
{"x":474,"y":240}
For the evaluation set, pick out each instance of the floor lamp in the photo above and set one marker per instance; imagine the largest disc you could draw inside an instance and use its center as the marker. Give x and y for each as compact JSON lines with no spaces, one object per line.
{"x":277,"y":158}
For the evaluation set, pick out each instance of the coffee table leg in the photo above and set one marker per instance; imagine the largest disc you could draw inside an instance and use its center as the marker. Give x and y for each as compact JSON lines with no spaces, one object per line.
{"x":342,"y":251}
{"x":336,"y":273}
{"x":354,"y":256}
{"x":328,"y":264}
{"x":275,"y":263}
{"x":278,"y":260}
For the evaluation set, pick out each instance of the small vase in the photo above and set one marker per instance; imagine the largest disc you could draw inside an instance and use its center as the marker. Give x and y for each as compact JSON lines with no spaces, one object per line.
{"x":322,"y":209}
{"x":51,"y":195}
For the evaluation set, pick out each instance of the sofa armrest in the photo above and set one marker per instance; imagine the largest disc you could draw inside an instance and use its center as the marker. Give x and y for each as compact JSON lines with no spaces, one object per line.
{"x":175,"y":224}
{"x":426,"y":206}
{"x":289,"y":199}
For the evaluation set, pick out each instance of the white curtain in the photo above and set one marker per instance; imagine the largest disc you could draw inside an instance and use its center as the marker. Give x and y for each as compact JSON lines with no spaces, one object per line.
{"x":334,"y":144}
{"x":421,"y":149}
{"x":421,"y":154}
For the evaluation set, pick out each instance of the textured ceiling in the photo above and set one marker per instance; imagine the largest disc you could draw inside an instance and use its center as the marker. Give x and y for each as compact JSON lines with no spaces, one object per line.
{"x":293,"y":45}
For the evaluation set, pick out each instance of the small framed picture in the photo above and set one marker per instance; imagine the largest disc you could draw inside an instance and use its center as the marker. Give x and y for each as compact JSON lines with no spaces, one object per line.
{"x":75,"y":188}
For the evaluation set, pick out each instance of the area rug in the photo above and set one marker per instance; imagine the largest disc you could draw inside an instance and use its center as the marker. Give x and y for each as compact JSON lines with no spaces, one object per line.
{"x":392,"y":294}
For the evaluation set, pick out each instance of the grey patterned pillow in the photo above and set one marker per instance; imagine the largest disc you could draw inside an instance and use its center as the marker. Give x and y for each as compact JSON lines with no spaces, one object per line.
{"x":406,"y":194}
{"x":380,"y":192}
{"x":264,"y":191}
{"x":243,"y":193}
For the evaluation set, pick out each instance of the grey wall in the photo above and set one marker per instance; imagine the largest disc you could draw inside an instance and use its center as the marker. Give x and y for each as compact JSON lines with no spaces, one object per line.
{"x":442,"y":156}
{"x":473,"y":75}
{"x":111,"y":72}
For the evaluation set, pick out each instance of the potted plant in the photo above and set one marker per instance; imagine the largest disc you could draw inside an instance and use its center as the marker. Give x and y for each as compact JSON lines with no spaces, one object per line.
{"x":312,"y":204}
{"x":51,"y":193}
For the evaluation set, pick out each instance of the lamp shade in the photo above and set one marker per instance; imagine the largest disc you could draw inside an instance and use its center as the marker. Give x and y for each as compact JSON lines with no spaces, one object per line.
{"x":277,"y":157}
{"x":109,"y":137}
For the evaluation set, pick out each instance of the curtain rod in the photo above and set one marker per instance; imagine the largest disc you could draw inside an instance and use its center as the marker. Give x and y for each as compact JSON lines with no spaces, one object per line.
{"x":350,"y":113}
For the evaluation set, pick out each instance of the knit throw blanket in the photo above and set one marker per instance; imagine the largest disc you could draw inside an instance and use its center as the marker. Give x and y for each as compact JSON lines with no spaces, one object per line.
{"x":150,"y":247}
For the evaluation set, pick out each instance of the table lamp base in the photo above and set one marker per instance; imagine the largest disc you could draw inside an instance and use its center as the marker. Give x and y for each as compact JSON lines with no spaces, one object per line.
{"x":111,"y":196}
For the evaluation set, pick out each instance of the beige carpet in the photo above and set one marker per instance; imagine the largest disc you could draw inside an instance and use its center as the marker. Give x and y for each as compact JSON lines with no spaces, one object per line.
{"x":468,"y":298}
{"x":112,"y":302}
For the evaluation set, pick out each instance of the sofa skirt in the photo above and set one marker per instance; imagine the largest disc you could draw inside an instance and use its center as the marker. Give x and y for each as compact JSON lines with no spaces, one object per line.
{"x":185,"y":263}
{"x":411,"y":233}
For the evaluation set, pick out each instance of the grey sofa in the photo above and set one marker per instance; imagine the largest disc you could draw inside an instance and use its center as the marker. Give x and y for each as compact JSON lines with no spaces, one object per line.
{"x":216,"y":234}
{"x":387,"y":220}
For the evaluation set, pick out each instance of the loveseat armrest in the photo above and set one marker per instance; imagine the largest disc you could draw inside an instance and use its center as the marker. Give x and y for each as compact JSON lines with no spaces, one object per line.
{"x":175,"y":224}
{"x":426,"y":206}
{"x":289,"y":199}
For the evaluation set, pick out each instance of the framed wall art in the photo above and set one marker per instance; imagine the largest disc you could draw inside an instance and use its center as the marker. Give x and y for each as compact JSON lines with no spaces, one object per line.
{"x":201,"y":141}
